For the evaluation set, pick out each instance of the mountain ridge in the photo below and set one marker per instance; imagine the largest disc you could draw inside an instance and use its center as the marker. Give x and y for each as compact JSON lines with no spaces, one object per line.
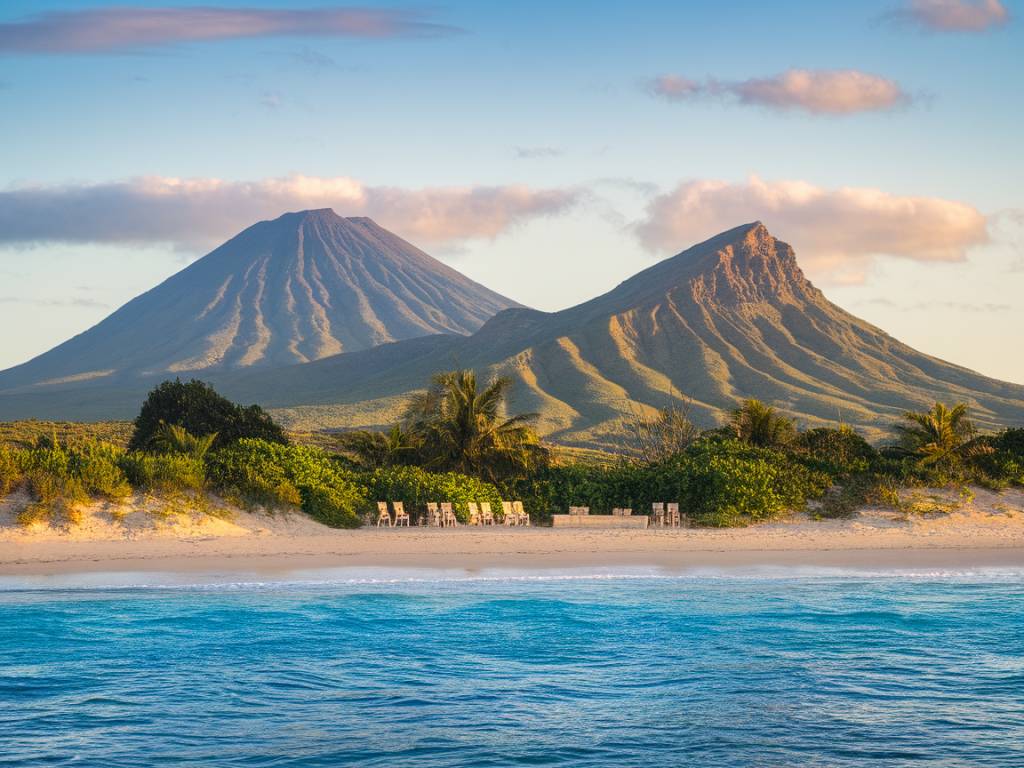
{"x":729,"y":318}
{"x":300,"y":287}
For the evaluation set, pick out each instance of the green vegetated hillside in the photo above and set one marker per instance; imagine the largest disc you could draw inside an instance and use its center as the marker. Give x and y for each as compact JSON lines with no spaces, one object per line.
{"x":731,"y":318}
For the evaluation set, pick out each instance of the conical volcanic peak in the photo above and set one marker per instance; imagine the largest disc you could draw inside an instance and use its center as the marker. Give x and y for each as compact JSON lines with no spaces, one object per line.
{"x":300,"y":287}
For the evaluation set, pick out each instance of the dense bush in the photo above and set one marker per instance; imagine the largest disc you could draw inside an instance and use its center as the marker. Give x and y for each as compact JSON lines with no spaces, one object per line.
{"x":59,"y":479}
{"x":199,"y":409}
{"x":98,"y":467}
{"x":164,"y":473}
{"x":998,"y":460}
{"x":415,"y":487}
{"x":837,"y":452}
{"x":271,"y":474}
{"x":716,"y":481}
{"x":10,"y":470}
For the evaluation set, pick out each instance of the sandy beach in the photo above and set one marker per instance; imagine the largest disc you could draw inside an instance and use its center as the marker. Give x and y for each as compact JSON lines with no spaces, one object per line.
{"x":987,"y":531}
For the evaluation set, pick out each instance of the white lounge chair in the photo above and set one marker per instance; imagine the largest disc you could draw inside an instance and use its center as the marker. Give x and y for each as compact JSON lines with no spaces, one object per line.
{"x":474,"y":513}
{"x":433,"y":514}
{"x":508,"y":514}
{"x":486,"y":514}
{"x":383,"y":516}
{"x":523,"y":518}
{"x":401,"y":516}
{"x":448,"y":517}
{"x":658,"y":513}
{"x":672,"y":515}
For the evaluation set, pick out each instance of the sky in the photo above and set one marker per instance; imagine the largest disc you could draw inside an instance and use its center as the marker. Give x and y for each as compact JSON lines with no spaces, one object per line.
{"x":547,"y":150}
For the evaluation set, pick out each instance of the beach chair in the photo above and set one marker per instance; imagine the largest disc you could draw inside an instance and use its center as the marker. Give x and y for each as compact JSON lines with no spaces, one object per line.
{"x":433,"y":514}
{"x":657,"y":513}
{"x":521,"y":517}
{"x":383,"y":517}
{"x":672,"y":514}
{"x":627,"y":512}
{"x":508,"y":514}
{"x":474,"y":513}
{"x":448,"y":515}
{"x":486,"y":513}
{"x":401,"y":516}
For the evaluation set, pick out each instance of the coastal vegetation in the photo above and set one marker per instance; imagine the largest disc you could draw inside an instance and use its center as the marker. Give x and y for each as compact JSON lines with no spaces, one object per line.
{"x":457,"y":442}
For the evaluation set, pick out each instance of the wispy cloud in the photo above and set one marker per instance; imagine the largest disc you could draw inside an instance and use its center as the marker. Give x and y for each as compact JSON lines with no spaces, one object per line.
{"x":73,"y":302}
{"x":137,"y":28}
{"x":952,"y":15}
{"x":837,"y":232}
{"x":196,"y":213}
{"x":535,"y":153}
{"x":819,"y":92}
{"x":931,"y":306}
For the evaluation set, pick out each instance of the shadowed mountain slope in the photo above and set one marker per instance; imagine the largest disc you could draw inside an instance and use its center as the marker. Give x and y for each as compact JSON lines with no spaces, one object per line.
{"x":299,"y":288}
{"x":730,"y":318}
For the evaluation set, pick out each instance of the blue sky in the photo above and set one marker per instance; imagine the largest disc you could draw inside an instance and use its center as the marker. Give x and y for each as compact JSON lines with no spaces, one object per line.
{"x":548,"y":152}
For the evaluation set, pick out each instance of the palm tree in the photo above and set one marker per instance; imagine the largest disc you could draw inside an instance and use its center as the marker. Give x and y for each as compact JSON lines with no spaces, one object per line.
{"x":939,"y":436}
{"x":462,"y":428}
{"x":759,"y":424}
{"x":371,"y":449}
{"x":174,"y":438}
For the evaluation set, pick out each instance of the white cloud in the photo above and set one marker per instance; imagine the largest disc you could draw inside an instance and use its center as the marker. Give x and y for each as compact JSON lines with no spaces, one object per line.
{"x":954,"y":15}
{"x":135,"y":28}
{"x":198,"y":213}
{"x":837,"y":233}
{"x":820,"y":92}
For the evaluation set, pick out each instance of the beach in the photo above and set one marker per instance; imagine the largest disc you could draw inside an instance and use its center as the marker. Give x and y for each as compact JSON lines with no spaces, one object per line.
{"x":987,"y":531}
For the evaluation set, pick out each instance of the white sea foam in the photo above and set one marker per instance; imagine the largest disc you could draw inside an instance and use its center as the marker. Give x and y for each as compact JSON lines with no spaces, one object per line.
{"x":397,"y":578}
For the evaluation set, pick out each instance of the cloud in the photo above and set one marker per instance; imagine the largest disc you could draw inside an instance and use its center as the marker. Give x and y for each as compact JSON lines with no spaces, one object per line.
{"x":836,"y":232}
{"x":271,"y":99}
{"x":953,"y":15}
{"x":819,"y":92}
{"x":534,"y":153}
{"x":931,"y":306}
{"x":136,"y":28}
{"x":74,"y":302}
{"x":196,"y":213}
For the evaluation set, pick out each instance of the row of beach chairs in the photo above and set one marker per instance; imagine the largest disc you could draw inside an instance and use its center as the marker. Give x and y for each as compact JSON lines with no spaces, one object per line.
{"x":442,"y":515}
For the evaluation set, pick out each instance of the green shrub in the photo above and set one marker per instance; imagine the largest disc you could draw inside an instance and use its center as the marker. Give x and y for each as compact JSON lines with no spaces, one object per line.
{"x":55,"y":497}
{"x":97,"y":466}
{"x":334,"y":506}
{"x":837,"y":452}
{"x":717,"y":481}
{"x":274,"y":475}
{"x":10,"y":470}
{"x":164,"y":473}
{"x":725,"y":483}
{"x":415,"y":487}
{"x":201,"y":411}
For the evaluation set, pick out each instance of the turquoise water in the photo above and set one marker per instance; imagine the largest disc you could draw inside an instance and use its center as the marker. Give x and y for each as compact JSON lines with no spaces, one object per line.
{"x":331,"y":669}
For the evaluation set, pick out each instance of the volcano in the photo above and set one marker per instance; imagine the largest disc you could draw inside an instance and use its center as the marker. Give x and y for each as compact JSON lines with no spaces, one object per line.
{"x":299,"y":288}
{"x":731,"y":318}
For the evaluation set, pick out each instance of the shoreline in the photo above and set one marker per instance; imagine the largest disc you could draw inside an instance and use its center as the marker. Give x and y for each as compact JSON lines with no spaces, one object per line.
{"x":473,"y":551}
{"x":986,"y":532}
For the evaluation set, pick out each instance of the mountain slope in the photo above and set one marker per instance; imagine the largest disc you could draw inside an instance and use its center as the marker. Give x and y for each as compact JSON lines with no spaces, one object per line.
{"x":299,"y":288}
{"x":730,"y":318}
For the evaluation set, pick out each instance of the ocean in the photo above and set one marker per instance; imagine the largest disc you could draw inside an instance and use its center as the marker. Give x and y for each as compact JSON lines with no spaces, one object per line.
{"x":572,"y":668}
